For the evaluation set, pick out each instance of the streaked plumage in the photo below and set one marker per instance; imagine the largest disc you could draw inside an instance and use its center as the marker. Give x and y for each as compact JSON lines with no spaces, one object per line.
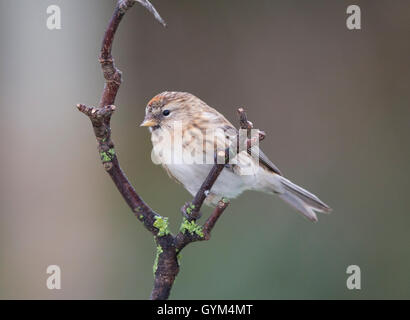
{"x":195,"y":118}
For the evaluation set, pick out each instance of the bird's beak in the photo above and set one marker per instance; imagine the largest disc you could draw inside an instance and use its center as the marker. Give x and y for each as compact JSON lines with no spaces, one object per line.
{"x":148,"y":123}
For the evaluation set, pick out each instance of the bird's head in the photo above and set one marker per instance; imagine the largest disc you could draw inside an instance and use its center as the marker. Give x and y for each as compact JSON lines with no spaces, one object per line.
{"x":168,"y":107}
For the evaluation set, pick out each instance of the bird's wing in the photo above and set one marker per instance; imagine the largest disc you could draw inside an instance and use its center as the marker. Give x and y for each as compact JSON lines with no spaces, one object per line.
{"x":264,"y":160}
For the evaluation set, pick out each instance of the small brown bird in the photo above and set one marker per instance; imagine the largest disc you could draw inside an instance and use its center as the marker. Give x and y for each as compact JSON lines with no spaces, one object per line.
{"x":169,"y":111}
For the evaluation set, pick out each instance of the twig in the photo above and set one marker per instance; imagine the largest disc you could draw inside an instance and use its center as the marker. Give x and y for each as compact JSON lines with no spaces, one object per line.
{"x":190,"y":231}
{"x":213,"y":218}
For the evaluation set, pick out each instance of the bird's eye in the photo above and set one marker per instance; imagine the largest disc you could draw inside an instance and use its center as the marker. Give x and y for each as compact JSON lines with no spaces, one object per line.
{"x":166,"y":112}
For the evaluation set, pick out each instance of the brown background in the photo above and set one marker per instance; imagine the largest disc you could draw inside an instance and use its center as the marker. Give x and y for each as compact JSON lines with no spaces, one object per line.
{"x":335,"y":106}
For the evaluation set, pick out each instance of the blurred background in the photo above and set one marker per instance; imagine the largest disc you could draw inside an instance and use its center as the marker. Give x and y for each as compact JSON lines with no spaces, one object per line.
{"x":334,"y":104}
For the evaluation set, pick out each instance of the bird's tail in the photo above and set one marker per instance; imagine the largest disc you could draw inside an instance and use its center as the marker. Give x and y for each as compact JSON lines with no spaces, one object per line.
{"x":302,"y":200}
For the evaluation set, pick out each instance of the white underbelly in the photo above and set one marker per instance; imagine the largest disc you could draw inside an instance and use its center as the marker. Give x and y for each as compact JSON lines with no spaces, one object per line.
{"x":192,"y":176}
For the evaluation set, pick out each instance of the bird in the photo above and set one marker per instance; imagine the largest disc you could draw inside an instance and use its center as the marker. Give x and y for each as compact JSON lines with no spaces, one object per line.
{"x":180,"y":124}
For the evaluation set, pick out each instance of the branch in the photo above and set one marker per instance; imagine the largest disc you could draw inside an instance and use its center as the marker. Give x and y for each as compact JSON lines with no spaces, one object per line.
{"x":166,"y":265}
{"x":190,"y":231}
{"x":101,"y":117}
{"x":191,"y":210}
{"x":112,"y":75}
{"x":100,"y":120}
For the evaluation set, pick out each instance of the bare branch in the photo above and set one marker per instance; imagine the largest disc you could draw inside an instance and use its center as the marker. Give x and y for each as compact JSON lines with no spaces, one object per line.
{"x":151,"y":9}
{"x":213,"y":218}
{"x":100,"y":118}
{"x":201,"y":195}
{"x":243,"y":119}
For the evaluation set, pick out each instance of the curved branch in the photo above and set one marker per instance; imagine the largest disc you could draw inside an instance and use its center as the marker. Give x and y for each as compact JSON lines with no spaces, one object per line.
{"x":100,"y":120}
{"x":112,"y":75}
{"x":101,"y":117}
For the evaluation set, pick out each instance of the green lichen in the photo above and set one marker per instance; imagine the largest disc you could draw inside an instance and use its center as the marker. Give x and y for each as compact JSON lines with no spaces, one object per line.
{"x":190,"y":208}
{"x":107,"y":156}
{"x":155,"y":266}
{"x":191,"y":227}
{"x":162,"y":225}
{"x":225,"y":200}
